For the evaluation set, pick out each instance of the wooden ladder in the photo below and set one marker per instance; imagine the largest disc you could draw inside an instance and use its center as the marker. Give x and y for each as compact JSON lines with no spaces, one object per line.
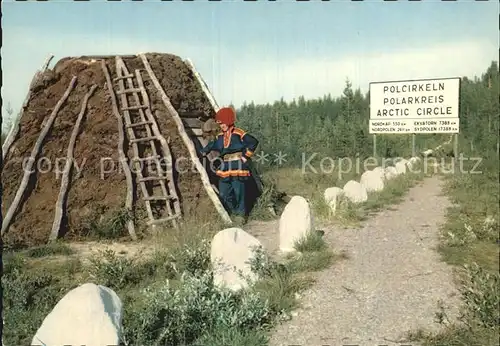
{"x":141,"y":127}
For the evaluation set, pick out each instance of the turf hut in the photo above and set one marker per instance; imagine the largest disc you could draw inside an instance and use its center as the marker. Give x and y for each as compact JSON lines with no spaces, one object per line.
{"x":104,"y":138}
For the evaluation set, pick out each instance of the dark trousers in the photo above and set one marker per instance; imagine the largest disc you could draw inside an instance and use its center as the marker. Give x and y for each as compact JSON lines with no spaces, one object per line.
{"x":232,"y":193}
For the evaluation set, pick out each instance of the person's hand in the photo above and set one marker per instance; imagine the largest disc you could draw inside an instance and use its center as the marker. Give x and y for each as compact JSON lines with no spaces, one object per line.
{"x":244,"y":159}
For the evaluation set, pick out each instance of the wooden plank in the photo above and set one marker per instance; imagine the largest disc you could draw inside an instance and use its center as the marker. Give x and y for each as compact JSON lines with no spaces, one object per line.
{"x":189,"y":144}
{"x":158,"y":221}
{"x":34,"y":153}
{"x":206,"y":90}
{"x":131,"y":108}
{"x":129,"y":200}
{"x":142,"y":123}
{"x":143,"y":139}
{"x":128,"y":91}
{"x":61,"y":199}
{"x":203,"y":84}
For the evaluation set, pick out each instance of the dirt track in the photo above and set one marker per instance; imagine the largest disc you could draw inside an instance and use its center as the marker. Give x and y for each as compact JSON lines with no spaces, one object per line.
{"x":390,"y":284}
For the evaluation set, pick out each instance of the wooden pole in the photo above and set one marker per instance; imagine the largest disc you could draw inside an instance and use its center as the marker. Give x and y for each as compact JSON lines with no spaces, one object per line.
{"x":375,"y":145}
{"x":413,"y":145}
{"x":14,"y":130}
{"x":34,"y":153}
{"x":61,"y":200}
{"x":187,"y":141}
{"x":1,"y":240}
{"x":129,"y":200}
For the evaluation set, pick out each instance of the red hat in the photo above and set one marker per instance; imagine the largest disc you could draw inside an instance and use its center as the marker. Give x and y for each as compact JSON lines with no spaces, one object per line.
{"x":226,"y":116}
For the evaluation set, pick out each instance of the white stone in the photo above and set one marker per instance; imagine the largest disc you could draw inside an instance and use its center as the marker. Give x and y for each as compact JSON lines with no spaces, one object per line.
{"x":296,"y":222}
{"x":413,"y":162}
{"x":332,"y":195}
{"x":231,"y":250}
{"x":372,"y":181}
{"x":401,"y":166}
{"x":380,"y":171}
{"x":390,"y":173}
{"x":88,"y":315}
{"x":355,"y":192}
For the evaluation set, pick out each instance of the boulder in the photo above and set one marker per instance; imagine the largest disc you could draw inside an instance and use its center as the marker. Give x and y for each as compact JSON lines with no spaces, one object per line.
{"x":380,"y":171}
{"x":355,"y":192}
{"x":296,"y":222}
{"x":87,"y":315}
{"x":231,"y":251}
{"x":413,"y":162}
{"x":390,"y":173}
{"x":372,"y":181}
{"x":401,"y":166}
{"x":332,"y":195}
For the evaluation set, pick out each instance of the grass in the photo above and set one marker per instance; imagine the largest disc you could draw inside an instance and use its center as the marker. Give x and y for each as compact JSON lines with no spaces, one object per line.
{"x":470,"y":242}
{"x":175,"y":277}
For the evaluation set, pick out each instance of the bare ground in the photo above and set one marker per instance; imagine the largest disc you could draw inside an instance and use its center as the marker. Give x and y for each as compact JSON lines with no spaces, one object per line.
{"x":390,"y":284}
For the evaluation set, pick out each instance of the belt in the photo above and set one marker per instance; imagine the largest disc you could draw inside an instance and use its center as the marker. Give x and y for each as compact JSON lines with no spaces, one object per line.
{"x":232,"y":157}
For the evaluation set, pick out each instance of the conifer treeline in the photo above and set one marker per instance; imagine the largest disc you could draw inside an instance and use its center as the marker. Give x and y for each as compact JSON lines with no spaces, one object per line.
{"x":338,"y":127}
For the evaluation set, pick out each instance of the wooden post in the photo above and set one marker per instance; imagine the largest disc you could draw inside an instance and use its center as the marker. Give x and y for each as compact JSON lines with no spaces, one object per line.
{"x":455,"y":151}
{"x":14,"y":130}
{"x":206,"y":90}
{"x":34,"y":154}
{"x":413,"y":145}
{"x":187,"y":141}
{"x":375,"y":145}
{"x":129,"y":200}
{"x":61,"y":199}
{"x":1,"y":240}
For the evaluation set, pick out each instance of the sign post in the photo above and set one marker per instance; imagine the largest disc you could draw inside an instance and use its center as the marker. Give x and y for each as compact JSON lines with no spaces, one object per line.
{"x":415,"y":106}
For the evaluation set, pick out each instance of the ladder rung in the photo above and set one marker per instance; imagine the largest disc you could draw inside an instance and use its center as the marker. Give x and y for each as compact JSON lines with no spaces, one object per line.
{"x":153,"y":178}
{"x":158,"y":198}
{"x":134,"y":107}
{"x":166,"y":219}
{"x":126,"y":91}
{"x":147,"y":158}
{"x":139,"y":124}
{"x":130,"y":75}
{"x":143,"y":139}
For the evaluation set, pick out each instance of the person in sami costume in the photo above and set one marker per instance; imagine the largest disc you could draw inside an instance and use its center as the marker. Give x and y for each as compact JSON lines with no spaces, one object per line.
{"x":235,"y":147}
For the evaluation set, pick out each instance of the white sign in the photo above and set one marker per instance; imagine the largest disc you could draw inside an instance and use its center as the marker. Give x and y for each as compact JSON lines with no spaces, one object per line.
{"x":415,"y":106}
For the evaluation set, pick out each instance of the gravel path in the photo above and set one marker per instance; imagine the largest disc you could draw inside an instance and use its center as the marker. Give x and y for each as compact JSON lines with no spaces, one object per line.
{"x":390,"y":284}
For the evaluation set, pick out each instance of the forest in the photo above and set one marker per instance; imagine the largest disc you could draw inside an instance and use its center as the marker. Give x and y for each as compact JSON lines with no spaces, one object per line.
{"x":338,"y":126}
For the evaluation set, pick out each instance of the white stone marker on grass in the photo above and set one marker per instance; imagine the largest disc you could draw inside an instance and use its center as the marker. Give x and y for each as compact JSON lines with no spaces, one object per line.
{"x":231,"y":250}
{"x":390,"y":173}
{"x":372,"y":181}
{"x":332,"y":195}
{"x":413,"y":162}
{"x":355,"y":192}
{"x":380,"y":171}
{"x":296,"y":222}
{"x":87,"y":315}
{"x":401,"y":166}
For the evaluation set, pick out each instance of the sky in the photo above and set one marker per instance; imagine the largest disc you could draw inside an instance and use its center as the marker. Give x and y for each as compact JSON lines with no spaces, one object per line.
{"x":259,"y":51}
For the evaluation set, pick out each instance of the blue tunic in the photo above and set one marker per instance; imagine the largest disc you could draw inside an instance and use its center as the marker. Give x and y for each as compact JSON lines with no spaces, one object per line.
{"x":233,"y":141}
